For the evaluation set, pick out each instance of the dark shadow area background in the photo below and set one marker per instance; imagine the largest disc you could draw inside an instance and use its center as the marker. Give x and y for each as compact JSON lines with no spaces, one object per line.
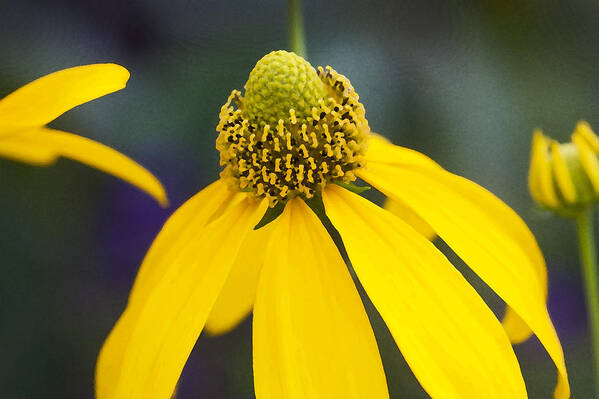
{"x":464,"y":82}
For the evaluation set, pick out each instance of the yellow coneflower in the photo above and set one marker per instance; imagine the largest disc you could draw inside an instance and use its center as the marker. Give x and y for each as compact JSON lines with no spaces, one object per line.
{"x":25,"y":113}
{"x":297,"y":136}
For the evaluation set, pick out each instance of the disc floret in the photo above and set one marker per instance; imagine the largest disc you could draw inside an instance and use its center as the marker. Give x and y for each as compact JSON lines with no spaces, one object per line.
{"x":296,"y":130}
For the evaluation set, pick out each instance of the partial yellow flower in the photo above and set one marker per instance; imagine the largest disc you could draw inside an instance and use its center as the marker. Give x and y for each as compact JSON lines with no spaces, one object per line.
{"x":564,"y":177}
{"x":25,"y":112}
{"x":294,"y":143}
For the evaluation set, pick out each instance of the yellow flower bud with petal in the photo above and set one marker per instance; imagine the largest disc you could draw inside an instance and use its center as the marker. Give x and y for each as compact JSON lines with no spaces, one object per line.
{"x":564,"y":177}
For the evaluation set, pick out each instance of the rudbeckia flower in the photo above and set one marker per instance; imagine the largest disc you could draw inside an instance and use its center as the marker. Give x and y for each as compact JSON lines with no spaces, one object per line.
{"x":299,"y":136}
{"x":25,"y":113}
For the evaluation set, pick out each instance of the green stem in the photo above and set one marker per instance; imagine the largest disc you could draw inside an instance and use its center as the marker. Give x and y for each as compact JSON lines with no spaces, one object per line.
{"x":297,"y":43}
{"x":588,"y":257}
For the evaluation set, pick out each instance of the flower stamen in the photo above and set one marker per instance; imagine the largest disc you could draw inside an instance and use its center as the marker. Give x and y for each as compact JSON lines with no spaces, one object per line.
{"x":282,"y":155}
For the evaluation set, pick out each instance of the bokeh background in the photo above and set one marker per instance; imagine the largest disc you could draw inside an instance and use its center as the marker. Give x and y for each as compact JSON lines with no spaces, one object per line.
{"x":464,"y":82}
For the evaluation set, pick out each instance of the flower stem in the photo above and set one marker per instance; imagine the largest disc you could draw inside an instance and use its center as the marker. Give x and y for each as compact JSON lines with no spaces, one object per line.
{"x":588,"y":257}
{"x":297,"y":43}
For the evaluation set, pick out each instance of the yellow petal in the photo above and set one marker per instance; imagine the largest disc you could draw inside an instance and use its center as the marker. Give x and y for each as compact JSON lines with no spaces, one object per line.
{"x":588,"y":159}
{"x":312,"y":338}
{"x":585,"y":131}
{"x":237,"y":297}
{"x":540,"y":176}
{"x":23,"y":151}
{"x":178,"y":231}
{"x":145,"y":353}
{"x":382,"y":151}
{"x":408,"y":216}
{"x":43,"y":145}
{"x":48,"y":97}
{"x":180,"y":228}
{"x":457,"y":210}
{"x":562,"y":175}
{"x":451,"y":340}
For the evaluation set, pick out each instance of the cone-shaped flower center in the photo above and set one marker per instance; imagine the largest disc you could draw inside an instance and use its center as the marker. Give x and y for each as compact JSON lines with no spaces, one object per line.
{"x":295,"y":130}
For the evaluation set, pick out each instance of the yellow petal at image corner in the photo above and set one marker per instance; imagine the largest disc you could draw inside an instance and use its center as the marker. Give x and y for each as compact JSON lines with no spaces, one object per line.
{"x":311,"y":335}
{"x":478,"y":234}
{"x":145,"y":353}
{"x":451,"y":340}
{"x":42,"y":146}
{"x":48,"y":97}
{"x":236,"y":299}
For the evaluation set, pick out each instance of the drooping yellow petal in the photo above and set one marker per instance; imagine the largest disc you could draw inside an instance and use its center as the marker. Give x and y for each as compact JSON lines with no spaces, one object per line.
{"x":177,"y":233}
{"x":452,"y":341}
{"x":237,"y":297}
{"x":562,"y":175}
{"x":145,"y":353}
{"x":43,"y":145}
{"x":478,"y":233}
{"x":516,"y":328}
{"x":48,"y":97}
{"x":312,"y":338}
{"x":411,"y":218}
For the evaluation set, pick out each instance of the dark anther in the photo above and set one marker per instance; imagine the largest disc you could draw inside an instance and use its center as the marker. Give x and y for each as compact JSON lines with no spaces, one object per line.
{"x":259,"y":145}
{"x":346,"y":116}
{"x":345,"y":100}
{"x":336,"y":123}
{"x":314,"y":122}
{"x":230,"y":139}
{"x":323,"y":153}
{"x":322,"y":115}
{"x":251,"y":128}
{"x":269,"y":137}
{"x":230,"y":113}
{"x":337,"y":108}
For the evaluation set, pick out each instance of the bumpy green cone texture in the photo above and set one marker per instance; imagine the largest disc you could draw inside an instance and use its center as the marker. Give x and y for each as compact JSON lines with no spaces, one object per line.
{"x":281,"y":81}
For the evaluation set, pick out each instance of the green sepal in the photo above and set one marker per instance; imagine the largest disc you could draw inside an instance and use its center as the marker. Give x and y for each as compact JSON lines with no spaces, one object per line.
{"x":352,"y":187}
{"x":270,"y":215}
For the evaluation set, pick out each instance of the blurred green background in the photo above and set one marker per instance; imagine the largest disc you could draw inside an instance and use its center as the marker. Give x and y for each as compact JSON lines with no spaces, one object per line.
{"x":464,"y":82}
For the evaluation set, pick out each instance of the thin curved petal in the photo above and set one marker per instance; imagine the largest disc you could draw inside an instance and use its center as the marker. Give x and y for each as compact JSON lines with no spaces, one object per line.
{"x":452,"y":341}
{"x":484,"y":233}
{"x":45,"y":144}
{"x":48,"y":97}
{"x":237,"y":297}
{"x":312,"y":338}
{"x":145,"y":353}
